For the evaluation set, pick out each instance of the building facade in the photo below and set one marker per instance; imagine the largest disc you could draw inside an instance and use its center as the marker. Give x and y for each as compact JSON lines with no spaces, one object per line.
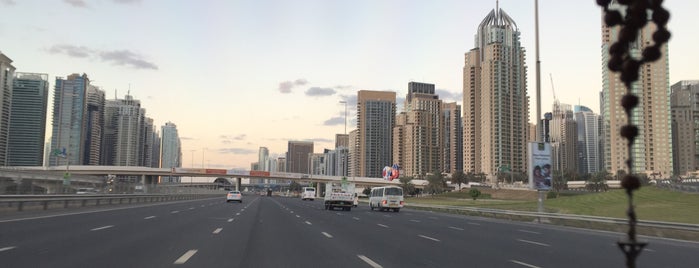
{"x":376,"y":112}
{"x":453,"y":138}
{"x":496,"y":105}
{"x":28,"y":119}
{"x":588,"y":140}
{"x":170,"y":150}
{"x":563,"y":138}
{"x":685,"y":126}
{"x":69,"y":120}
{"x":652,"y":149}
{"x":94,"y":125}
{"x":125,"y":132}
{"x":298,"y":156}
{"x":6,"y":76}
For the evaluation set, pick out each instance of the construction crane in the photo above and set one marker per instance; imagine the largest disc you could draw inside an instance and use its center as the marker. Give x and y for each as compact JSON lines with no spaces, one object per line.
{"x":552,"y":89}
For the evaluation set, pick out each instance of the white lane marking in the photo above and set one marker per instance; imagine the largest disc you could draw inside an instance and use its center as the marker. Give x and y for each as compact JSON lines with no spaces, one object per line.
{"x":297,"y":216}
{"x":203,"y":205}
{"x":430,"y":238}
{"x":384,"y":226}
{"x":185,"y":257}
{"x":532,"y":242}
{"x":369,"y":261}
{"x":218,"y":230}
{"x":414,"y":220}
{"x":338,"y":213}
{"x":649,"y":250}
{"x":6,"y":248}
{"x":387,"y":216}
{"x":149,"y":217}
{"x":292,"y":212}
{"x":456,"y":228}
{"x":191,"y":208}
{"x":434,"y":218}
{"x":473,"y":223}
{"x":230,"y":220}
{"x":525,"y":264}
{"x":355,"y":218}
{"x":237,"y":214}
{"x":307,"y":222}
{"x":527,"y":231}
{"x":327,"y":234}
{"x":102,"y":228}
{"x":242,"y":210}
{"x":175,"y":211}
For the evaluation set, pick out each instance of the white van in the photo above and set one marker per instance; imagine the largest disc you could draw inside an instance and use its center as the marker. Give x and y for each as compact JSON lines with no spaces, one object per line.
{"x":308,"y":193}
{"x":386,"y":198}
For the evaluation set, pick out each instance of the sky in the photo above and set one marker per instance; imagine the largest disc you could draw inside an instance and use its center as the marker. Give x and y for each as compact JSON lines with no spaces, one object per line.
{"x":235,"y":76}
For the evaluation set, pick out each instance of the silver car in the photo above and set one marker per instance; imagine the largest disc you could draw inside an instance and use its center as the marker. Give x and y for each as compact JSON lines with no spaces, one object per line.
{"x":234,"y":196}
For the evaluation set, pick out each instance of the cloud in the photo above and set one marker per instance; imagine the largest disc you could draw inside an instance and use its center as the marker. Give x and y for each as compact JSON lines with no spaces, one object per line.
{"x":334,"y":121}
{"x":125,"y":57}
{"x":449,"y":96}
{"x":230,"y":139}
{"x":127,"y":1}
{"x":341,"y":87}
{"x":70,"y":50}
{"x":8,"y":2}
{"x":76,"y":3}
{"x":318,"y":91}
{"x":286,"y":86}
{"x":237,"y":151}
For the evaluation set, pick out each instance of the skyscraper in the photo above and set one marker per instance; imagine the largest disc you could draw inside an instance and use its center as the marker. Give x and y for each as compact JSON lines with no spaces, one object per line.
{"x":563,"y":138}
{"x":28,"y":119}
{"x":652,"y":149}
{"x":125,"y":128}
{"x":94,"y":119}
{"x":263,"y":159}
{"x":69,"y":120}
{"x":418,"y":139}
{"x":6,"y":76}
{"x":171,"y":150}
{"x":151,"y":145}
{"x":453,"y":138}
{"x":496,"y":105}
{"x":685,"y":126}
{"x":588,"y":140}
{"x":376,"y":112}
{"x":298,"y":156}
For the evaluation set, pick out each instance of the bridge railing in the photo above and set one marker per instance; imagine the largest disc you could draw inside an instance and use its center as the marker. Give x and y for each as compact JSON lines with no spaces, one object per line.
{"x":10,"y":203}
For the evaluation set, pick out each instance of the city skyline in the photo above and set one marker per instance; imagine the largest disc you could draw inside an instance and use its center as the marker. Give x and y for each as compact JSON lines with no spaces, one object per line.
{"x":247,"y":82}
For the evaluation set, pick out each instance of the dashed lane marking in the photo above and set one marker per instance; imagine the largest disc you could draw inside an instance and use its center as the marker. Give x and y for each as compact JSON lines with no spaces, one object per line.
{"x":327,"y":235}
{"x":175,"y":211}
{"x":527,"y":231}
{"x":149,"y":217}
{"x":415,"y":220}
{"x":533,"y":242}
{"x":430,"y":238}
{"x":384,"y":226}
{"x":185,"y":257}
{"x":473,"y":223}
{"x":309,"y":223}
{"x":6,"y":248}
{"x":230,"y":220}
{"x":218,"y":230}
{"x":525,"y":264}
{"x":102,"y":228}
{"x":456,"y":228}
{"x":369,"y":261}
{"x":355,"y":218}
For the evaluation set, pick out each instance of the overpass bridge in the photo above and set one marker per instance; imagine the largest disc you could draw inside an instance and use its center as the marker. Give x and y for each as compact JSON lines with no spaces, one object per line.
{"x":146,"y":176}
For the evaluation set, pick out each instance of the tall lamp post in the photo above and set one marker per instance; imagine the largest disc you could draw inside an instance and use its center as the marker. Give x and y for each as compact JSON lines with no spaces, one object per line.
{"x":191,"y":178}
{"x":345,"y":172}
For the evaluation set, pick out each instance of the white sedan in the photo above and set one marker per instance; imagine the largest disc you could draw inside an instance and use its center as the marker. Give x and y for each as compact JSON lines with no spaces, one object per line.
{"x":234,"y":196}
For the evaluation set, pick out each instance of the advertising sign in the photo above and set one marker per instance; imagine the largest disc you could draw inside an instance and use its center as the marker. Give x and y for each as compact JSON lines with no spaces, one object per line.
{"x":255,"y":173}
{"x":539,"y":155}
{"x":241,"y":172}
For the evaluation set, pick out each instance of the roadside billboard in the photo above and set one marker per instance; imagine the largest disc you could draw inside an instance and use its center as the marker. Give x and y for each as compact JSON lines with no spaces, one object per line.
{"x":539,"y":155}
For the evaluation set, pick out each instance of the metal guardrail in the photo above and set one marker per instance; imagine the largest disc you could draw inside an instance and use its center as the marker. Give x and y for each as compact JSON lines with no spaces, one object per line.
{"x":45,"y":202}
{"x":653,"y":224}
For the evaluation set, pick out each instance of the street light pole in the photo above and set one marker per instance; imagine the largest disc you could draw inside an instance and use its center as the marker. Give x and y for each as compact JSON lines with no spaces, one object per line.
{"x":191,"y":178}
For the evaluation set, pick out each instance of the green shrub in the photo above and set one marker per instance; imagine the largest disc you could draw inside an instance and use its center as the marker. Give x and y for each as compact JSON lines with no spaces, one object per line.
{"x":551,"y":195}
{"x":474,"y":193}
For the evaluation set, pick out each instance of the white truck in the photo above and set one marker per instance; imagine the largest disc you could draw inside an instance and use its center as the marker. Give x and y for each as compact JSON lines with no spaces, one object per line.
{"x":339,"y":194}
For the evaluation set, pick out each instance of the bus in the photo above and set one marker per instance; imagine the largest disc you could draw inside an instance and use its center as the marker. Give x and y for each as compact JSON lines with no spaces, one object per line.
{"x":386,"y":198}
{"x":308,"y":193}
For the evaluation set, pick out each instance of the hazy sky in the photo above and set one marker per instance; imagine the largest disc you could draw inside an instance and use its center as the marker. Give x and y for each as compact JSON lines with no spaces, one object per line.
{"x":237,"y":75}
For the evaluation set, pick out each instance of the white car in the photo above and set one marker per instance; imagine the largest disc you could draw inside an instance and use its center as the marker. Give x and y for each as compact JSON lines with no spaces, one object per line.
{"x":234,"y":196}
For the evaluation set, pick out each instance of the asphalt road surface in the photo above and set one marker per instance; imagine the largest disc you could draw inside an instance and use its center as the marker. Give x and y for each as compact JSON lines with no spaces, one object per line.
{"x":288,"y":232}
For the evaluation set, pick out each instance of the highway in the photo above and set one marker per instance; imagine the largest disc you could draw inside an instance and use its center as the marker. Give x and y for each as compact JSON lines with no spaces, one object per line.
{"x":287,"y":232}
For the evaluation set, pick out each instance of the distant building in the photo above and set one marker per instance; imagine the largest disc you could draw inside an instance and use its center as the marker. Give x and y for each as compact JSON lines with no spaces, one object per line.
{"x":652,"y":150}
{"x":94,"y":125}
{"x":495,"y":104}
{"x":588,"y":140}
{"x":563,"y":138}
{"x":28,"y":119}
{"x":171,"y":150}
{"x":376,"y":112}
{"x":341,"y":140}
{"x":353,"y":154}
{"x":69,"y":120}
{"x":685,"y":126}
{"x":298,"y":156}
{"x":453,"y":138}
{"x":263,"y":159}
{"x":418,"y":134}
{"x":125,"y":137}
{"x":6,"y":76}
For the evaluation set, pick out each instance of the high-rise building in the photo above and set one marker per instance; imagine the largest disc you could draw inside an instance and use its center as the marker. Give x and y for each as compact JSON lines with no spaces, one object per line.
{"x":341,"y":140}
{"x":263,"y":159}
{"x":94,"y":119}
{"x":453,"y":138}
{"x":125,"y":126}
{"x":418,"y":134}
{"x":496,"y":105}
{"x":353,"y":154}
{"x":317,"y":163}
{"x":563,"y":138}
{"x":171,"y":150}
{"x":376,"y":115}
{"x":6,"y":76}
{"x":685,"y":126}
{"x":69,"y":120}
{"x":151,"y":144}
{"x":298,"y":156}
{"x":588,"y":140}
{"x":28,"y":119}
{"x":281,"y":164}
{"x":652,"y":149}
